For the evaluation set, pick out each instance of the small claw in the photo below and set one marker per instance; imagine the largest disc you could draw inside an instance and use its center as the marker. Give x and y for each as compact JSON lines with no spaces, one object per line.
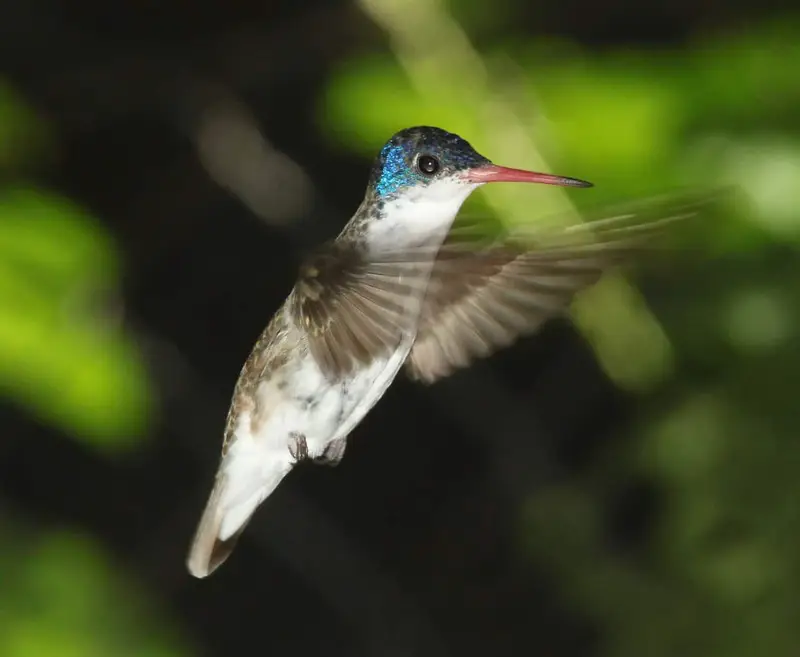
{"x":298,"y":447}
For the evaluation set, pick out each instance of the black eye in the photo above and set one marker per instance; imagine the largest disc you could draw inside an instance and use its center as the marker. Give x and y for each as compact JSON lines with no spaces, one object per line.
{"x":428,"y":164}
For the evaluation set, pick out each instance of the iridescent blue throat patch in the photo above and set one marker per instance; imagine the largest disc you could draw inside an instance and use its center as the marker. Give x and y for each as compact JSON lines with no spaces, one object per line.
{"x":395,"y":174}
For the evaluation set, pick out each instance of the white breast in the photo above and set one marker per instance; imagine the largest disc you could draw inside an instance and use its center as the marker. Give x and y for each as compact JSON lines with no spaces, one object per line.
{"x":420,"y":216}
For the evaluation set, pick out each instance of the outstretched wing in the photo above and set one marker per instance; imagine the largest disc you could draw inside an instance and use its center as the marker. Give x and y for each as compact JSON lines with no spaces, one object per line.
{"x":481,"y":299}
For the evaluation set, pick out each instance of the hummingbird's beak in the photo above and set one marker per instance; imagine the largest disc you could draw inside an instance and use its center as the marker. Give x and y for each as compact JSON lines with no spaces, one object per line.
{"x":492,"y":173}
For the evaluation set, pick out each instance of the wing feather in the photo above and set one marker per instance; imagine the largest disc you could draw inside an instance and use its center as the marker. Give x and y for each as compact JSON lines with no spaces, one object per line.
{"x":356,"y":306}
{"x":479,"y":300}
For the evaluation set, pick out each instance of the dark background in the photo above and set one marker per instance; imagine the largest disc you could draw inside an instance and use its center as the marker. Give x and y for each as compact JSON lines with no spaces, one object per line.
{"x":428,"y":539}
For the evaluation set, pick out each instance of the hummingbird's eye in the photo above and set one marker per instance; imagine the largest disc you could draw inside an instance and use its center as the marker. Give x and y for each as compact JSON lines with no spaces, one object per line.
{"x":428,"y":164}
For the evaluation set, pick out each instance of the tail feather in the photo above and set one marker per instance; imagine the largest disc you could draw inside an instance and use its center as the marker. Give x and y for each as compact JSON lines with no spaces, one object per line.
{"x":208,"y":551}
{"x":237,"y":494}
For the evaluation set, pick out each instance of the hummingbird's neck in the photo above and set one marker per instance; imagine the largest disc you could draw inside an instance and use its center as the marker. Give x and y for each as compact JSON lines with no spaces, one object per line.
{"x":407,"y":220}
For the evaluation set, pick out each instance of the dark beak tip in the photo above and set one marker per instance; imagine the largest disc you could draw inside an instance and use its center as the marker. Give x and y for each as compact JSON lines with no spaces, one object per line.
{"x":564,"y":181}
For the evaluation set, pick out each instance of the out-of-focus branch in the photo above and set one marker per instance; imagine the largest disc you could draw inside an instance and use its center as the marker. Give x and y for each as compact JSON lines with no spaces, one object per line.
{"x":239,"y":158}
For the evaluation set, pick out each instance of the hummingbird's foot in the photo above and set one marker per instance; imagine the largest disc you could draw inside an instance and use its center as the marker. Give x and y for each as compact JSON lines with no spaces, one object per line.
{"x":333,"y":453}
{"x":298,"y":447}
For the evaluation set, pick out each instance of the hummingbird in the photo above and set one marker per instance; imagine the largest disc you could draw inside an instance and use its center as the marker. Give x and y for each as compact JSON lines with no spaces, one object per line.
{"x":399,"y":288}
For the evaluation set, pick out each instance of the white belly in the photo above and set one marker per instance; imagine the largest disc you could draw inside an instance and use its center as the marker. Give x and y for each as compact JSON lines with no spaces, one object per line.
{"x":322,"y":412}
{"x":303,"y":403}
{"x":365,"y":390}
{"x":298,"y":400}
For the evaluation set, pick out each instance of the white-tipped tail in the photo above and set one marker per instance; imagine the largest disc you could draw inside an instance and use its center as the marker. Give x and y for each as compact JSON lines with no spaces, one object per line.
{"x":243,"y":483}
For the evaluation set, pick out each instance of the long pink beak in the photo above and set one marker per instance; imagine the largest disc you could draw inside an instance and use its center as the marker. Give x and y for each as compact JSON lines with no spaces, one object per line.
{"x":493,"y":173}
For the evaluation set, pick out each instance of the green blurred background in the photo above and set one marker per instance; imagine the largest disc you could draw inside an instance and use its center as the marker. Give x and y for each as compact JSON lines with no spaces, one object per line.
{"x":621,"y":485}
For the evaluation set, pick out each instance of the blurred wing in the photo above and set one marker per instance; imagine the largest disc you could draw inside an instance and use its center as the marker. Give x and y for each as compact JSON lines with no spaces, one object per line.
{"x":480,"y":300}
{"x":355,"y":307}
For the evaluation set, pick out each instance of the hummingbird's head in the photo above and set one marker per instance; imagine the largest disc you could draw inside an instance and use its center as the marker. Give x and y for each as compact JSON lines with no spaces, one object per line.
{"x":424,"y":158}
{"x":423,"y":175}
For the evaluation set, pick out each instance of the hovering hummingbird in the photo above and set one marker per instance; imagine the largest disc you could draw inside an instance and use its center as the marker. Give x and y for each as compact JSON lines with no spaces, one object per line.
{"x":397,"y":288}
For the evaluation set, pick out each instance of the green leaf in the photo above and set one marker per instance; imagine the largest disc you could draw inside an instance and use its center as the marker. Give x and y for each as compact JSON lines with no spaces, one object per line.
{"x":61,"y":595}
{"x":59,"y":358}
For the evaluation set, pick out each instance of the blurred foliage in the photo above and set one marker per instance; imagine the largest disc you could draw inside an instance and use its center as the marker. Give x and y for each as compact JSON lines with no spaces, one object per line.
{"x":63,"y":354}
{"x":716,"y":570}
{"x":715,"y":573}
{"x":62,"y":596}
{"x":66,"y":358}
{"x":634,"y":122}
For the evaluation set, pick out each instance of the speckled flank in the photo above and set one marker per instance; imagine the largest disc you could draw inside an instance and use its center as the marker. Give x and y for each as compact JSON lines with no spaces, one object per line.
{"x":356,"y":229}
{"x":269,"y":352}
